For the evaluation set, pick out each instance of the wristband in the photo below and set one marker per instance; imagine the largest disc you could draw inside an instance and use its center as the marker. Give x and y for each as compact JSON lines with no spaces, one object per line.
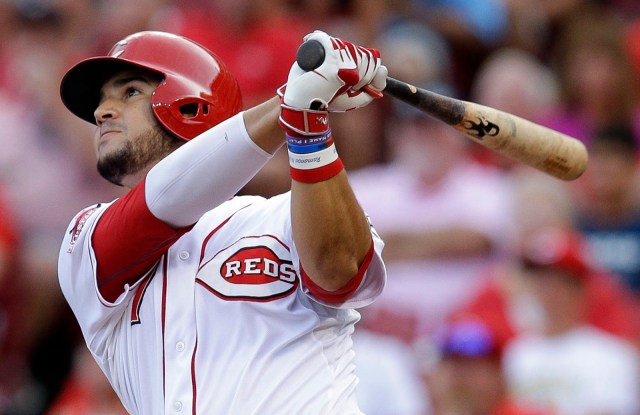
{"x":309,"y":144}
{"x":313,"y":158}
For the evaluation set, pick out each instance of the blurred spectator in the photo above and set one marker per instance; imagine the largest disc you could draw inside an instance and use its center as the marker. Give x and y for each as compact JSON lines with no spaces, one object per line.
{"x":48,"y":169}
{"x":360,"y":21}
{"x":630,"y":8}
{"x":390,"y":380}
{"x":631,"y":41}
{"x":8,"y":28}
{"x":472,"y":29}
{"x":13,"y":356}
{"x":534,"y":26}
{"x":120,"y":18}
{"x":467,"y":377}
{"x":568,"y":366}
{"x":540,"y":201}
{"x":417,"y":55}
{"x":515,"y":81}
{"x":608,"y":205}
{"x":505,"y":301}
{"x":596,"y":79}
{"x":466,"y":22}
{"x":86,"y":391}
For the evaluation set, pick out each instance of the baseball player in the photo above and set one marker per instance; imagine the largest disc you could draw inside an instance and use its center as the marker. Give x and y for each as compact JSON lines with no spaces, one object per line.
{"x":193,"y":300}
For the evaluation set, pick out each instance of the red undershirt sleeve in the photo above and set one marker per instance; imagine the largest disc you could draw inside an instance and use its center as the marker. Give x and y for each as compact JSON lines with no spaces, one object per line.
{"x":128,"y":241}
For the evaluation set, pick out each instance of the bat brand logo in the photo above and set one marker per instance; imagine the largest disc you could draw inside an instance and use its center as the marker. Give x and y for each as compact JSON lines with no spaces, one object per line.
{"x":482,"y":128}
{"x":251,"y":269}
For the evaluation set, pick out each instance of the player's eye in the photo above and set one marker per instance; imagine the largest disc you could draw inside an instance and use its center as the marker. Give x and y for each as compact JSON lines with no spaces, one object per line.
{"x":132,"y":91}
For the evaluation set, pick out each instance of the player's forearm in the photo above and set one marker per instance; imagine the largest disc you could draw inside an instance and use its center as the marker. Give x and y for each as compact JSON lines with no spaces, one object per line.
{"x":262,"y":125}
{"x":331,"y":232}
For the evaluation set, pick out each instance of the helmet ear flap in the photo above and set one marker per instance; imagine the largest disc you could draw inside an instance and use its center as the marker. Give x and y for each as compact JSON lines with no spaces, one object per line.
{"x":187,"y":117}
{"x":187,"y":110}
{"x":191,"y":109}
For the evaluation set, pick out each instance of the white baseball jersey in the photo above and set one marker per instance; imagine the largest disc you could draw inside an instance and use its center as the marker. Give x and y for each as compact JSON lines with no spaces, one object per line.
{"x":224,"y":322}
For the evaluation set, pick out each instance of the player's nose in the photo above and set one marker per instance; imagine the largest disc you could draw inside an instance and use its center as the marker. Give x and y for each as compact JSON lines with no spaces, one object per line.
{"x":106,"y":110}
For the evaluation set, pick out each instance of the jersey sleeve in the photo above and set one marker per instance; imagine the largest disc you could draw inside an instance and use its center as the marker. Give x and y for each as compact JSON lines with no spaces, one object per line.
{"x":77,"y":277}
{"x":128,"y":241}
{"x":107,"y":250}
{"x":365,"y":287}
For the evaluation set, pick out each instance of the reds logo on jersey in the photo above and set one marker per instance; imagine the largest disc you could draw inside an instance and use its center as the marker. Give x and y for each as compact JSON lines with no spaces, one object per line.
{"x":253,"y":268}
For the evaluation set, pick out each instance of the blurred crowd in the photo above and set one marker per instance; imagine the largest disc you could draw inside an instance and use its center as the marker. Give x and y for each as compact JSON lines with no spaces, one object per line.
{"x":509,"y":292}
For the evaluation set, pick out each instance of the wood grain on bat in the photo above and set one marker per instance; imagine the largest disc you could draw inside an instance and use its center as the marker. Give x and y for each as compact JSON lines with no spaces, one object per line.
{"x":535,"y":145}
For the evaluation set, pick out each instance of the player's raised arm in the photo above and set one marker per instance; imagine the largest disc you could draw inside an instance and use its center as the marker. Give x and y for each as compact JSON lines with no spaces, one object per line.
{"x":330,"y":230}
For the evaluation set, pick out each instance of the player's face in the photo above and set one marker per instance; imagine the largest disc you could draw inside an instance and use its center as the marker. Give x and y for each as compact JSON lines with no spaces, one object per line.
{"x":129,"y":140}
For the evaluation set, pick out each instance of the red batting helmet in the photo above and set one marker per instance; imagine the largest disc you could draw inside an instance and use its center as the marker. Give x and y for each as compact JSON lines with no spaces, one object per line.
{"x":197,"y":91}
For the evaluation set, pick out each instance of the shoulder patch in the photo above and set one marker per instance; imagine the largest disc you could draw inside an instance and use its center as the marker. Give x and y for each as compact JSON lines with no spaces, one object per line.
{"x":77,"y":228}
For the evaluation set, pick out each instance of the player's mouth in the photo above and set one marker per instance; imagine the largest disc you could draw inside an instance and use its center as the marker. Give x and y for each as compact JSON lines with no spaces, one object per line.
{"x":105,"y":136}
{"x":107,"y":132}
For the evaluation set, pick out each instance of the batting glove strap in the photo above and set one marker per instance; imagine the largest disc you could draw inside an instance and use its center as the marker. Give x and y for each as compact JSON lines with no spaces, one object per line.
{"x":306,"y":122}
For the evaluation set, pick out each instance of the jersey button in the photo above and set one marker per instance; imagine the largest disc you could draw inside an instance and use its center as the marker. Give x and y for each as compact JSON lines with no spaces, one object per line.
{"x":184,"y":255}
{"x":180,"y":346}
{"x":177,"y":405}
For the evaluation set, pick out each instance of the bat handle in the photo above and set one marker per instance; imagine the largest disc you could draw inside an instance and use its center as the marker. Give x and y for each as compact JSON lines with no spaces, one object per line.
{"x":310,"y":56}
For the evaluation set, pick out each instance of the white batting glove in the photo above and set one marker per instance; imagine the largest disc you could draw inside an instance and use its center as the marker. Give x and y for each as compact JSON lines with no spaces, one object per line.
{"x":337,"y":85}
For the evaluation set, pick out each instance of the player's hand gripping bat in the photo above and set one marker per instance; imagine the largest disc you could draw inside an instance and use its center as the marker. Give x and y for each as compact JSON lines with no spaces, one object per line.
{"x":532,"y":144}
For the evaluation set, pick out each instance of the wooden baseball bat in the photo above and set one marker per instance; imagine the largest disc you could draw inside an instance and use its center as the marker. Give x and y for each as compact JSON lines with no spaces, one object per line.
{"x":522,"y":140}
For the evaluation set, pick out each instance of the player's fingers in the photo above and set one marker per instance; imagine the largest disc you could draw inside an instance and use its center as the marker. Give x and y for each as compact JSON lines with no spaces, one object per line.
{"x":379,"y":81}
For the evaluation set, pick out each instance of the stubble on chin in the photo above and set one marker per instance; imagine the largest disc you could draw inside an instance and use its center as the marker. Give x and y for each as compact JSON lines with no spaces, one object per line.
{"x":137,"y":154}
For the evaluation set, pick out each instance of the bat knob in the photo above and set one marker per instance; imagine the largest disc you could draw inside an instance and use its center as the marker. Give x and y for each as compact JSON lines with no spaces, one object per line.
{"x":310,"y":55}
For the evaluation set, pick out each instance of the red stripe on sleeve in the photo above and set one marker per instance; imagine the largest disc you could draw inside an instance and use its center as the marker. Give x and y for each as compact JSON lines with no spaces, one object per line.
{"x":128,"y":241}
{"x":344,"y":293}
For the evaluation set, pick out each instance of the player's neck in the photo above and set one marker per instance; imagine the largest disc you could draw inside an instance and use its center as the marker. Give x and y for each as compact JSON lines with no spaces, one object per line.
{"x":131,"y":180}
